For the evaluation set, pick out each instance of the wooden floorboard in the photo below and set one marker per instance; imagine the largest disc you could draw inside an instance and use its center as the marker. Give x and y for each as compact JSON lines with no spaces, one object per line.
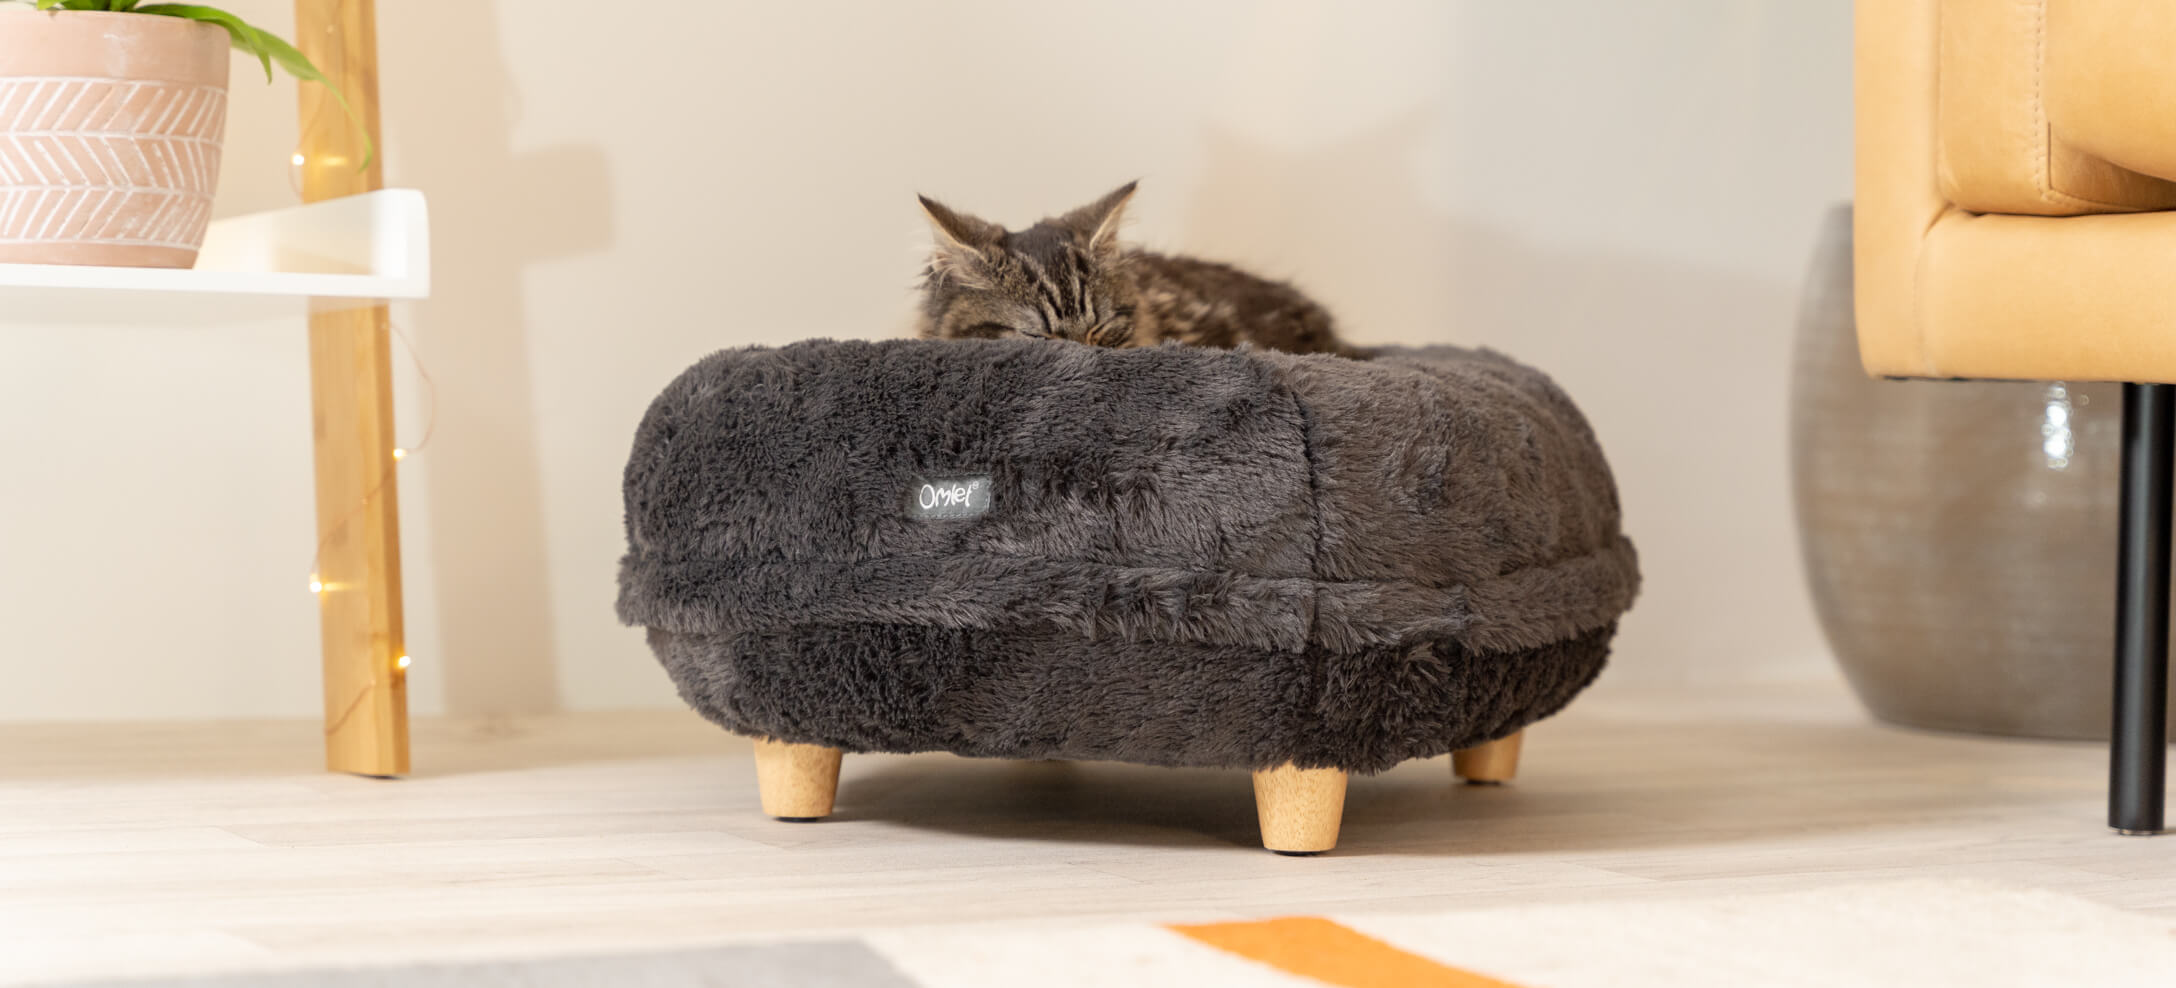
{"x":138,"y":849}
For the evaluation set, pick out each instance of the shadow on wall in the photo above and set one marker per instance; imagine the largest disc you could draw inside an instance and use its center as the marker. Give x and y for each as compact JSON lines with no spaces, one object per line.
{"x":1345,"y":213}
{"x":1699,"y":456}
{"x":1681,"y":371}
{"x":511,"y":210}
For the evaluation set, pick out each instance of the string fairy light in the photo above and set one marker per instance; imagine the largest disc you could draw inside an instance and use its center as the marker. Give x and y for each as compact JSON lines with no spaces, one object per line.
{"x":294,"y":178}
{"x":298,"y":160}
{"x":394,"y":456}
{"x":301,"y":158}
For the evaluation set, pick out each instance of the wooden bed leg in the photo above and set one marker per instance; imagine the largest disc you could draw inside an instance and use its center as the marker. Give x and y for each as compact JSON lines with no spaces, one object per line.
{"x":1491,"y":764}
{"x":798,"y":782}
{"x":1299,"y":809}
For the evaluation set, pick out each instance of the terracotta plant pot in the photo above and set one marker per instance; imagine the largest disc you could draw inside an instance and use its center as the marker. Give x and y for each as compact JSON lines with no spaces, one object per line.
{"x":110,"y":131}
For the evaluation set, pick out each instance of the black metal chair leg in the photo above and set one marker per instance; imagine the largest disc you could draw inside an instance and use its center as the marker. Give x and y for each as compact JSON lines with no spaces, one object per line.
{"x":2137,"y":762}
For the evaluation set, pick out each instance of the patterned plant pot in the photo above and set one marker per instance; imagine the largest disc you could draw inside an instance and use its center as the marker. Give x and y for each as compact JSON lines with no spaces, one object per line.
{"x":110,"y":131}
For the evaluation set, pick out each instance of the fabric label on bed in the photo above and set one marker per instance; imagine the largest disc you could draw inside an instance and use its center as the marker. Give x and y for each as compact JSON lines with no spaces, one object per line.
{"x":937,"y":498}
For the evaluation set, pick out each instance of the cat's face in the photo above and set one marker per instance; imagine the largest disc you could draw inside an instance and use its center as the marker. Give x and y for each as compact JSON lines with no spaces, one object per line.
{"x":1060,"y":279}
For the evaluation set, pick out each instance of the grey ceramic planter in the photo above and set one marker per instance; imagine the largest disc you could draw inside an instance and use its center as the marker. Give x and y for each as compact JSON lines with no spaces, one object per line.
{"x":1959,"y":537}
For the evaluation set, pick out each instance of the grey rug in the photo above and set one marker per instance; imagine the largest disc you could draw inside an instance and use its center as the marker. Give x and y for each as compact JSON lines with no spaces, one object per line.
{"x":808,"y":964}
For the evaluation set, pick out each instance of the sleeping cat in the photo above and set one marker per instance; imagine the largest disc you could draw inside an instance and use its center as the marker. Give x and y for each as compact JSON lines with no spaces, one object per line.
{"x":1069,"y":279}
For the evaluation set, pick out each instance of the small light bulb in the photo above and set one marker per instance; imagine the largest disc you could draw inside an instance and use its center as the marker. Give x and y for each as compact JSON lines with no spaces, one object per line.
{"x":298,"y":159}
{"x":399,"y":453}
{"x":316,"y":586}
{"x":401,"y":663}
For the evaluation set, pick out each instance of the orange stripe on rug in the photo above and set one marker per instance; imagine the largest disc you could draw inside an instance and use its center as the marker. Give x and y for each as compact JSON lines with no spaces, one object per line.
{"x":1316,"y":948}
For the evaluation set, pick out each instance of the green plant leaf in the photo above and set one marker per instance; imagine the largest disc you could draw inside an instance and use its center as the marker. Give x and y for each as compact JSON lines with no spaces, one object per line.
{"x":299,"y":65}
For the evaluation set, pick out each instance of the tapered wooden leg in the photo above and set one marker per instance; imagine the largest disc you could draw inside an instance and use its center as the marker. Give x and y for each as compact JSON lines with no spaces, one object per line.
{"x":1490,"y":764}
{"x":797,"y":781}
{"x":1299,"y":808}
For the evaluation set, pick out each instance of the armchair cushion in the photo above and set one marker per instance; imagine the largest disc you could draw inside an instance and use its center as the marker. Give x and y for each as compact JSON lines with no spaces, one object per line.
{"x":2111,"y":82}
{"x":1951,"y":281}
{"x":2032,"y":95}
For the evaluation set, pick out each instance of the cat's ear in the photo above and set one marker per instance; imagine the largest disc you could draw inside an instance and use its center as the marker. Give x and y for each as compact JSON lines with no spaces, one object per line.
{"x":1098,"y":221}
{"x":962,"y":242}
{"x":956,"y":229}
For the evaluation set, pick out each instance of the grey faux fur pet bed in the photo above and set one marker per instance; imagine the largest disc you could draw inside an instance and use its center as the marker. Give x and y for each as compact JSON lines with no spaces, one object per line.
{"x":1173,"y":556}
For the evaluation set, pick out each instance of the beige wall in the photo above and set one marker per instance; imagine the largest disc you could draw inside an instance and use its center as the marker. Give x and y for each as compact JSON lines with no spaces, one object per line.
{"x":1623,"y":194}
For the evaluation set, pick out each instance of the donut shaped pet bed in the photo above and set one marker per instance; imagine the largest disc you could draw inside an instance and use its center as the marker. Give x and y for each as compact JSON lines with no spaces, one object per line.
{"x":1300,"y":566}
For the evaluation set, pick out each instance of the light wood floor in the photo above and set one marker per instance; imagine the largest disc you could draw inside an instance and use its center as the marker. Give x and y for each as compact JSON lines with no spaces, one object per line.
{"x":159,"y":849}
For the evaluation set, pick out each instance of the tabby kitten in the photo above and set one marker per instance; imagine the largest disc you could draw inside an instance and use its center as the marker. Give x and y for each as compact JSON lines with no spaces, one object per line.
{"x":1069,"y":279}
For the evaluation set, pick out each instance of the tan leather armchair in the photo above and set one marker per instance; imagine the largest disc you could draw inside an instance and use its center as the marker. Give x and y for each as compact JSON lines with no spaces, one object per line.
{"x":2016,"y":219}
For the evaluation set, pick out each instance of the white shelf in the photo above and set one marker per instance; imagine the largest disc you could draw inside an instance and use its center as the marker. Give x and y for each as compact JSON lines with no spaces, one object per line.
{"x":343,"y":253}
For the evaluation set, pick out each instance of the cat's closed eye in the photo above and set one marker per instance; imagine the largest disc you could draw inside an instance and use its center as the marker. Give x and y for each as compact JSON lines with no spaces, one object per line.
{"x":1111,"y":332}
